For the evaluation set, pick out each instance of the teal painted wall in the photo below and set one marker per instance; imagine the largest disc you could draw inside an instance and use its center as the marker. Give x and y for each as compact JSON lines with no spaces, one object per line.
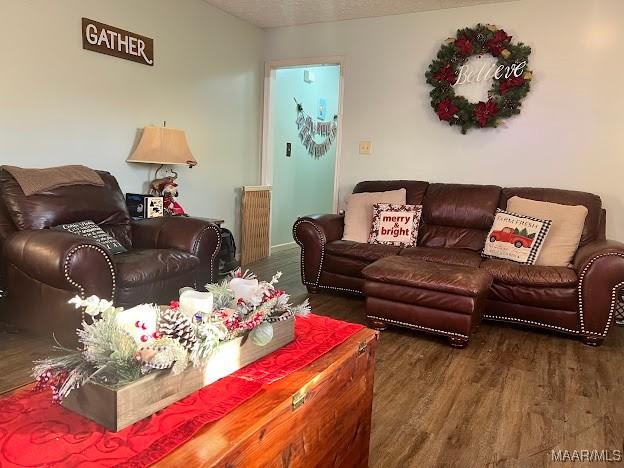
{"x":301,"y":184}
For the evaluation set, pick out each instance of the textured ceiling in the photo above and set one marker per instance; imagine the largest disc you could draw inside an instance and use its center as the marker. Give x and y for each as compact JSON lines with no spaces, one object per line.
{"x":274,"y":13}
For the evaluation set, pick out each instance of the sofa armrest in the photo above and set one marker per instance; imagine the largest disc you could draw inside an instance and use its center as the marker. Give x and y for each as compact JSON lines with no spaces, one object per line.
{"x":192,"y":235}
{"x":312,"y":233}
{"x":62,"y":260}
{"x":600,"y":267}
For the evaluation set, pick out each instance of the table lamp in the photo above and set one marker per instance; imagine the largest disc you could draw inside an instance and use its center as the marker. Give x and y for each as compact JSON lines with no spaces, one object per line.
{"x":166,"y":147}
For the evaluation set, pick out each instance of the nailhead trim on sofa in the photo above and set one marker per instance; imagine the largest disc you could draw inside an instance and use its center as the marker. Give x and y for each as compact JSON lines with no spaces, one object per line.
{"x":215,"y":253}
{"x":323,"y":242}
{"x":419,"y":327}
{"x":337,"y":288}
{"x":316,"y":283}
{"x":613,"y":296}
{"x":78,"y":285}
{"x":529,"y":322}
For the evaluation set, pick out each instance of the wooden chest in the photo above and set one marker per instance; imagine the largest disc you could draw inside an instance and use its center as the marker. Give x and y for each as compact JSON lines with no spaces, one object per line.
{"x":319,"y":416}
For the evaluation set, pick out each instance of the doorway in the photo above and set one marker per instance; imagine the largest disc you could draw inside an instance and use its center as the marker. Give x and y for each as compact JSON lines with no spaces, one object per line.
{"x":301,"y":142}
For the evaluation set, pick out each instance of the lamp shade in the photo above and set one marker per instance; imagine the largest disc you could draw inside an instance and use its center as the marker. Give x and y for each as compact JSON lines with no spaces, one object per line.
{"x":162,"y":145}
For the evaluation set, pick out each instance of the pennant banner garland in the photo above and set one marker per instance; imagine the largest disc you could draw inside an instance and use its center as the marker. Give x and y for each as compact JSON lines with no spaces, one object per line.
{"x":308,"y":129}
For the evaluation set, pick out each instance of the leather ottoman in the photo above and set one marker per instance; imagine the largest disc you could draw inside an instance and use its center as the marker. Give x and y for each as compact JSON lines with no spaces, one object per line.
{"x":446,"y":300}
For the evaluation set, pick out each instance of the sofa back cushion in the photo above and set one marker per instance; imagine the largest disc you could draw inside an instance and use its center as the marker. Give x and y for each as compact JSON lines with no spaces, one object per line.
{"x":414,"y":189}
{"x":105,"y":205}
{"x":593,"y":203}
{"x":458,"y":215}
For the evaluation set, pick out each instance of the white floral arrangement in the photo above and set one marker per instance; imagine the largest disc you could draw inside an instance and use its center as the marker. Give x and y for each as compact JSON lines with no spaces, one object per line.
{"x":120,"y":346}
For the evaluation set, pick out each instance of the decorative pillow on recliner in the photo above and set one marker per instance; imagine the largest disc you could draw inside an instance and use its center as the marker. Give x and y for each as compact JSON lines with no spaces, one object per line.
{"x":93,"y":231}
{"x":395,"y":224}
{"x":359,"y":212}
{"x":515,"y":237}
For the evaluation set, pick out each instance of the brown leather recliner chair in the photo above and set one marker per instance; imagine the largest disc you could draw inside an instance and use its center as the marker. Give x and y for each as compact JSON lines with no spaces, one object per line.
{"x":42,"y":268}
{"x":455,"y":221}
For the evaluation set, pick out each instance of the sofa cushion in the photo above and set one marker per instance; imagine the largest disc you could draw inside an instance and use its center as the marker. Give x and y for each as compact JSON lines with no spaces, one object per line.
{"x":457,"y":215}
{"x":416,"y":273}
{"x":139,"y":266}
{"x":546,"y":317}
{"x":361,"y":251}
{"x":591,"y":228}
{"x":344,"y":265}
{"x":447,"y":256}
{"x":359,"y":212}
{"x":414,"y":189}
{"x":504,"y":271}
{"x":546,"y":297}
{"x":451,"y":237}
{"x":565,"y":232}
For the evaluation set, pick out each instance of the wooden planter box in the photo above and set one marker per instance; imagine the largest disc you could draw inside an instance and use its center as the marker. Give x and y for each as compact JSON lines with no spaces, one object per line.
{"x":117,"y":408}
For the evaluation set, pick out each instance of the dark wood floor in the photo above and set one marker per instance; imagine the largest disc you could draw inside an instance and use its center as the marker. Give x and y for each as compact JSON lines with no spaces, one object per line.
{"x":507,"y":400}
{"x":17,"y":353}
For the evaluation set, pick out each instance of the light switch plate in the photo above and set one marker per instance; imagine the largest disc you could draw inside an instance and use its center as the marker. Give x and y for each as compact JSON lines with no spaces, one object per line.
{"x":366,"y":147}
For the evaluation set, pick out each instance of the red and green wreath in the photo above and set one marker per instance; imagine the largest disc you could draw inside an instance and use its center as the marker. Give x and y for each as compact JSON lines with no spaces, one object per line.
{"x":511,"y":80}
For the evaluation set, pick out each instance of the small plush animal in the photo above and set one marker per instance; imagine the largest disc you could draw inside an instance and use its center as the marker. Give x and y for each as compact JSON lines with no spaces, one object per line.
{"x":169,"y":192}
{"x":168,"y":189}
{"x":157,"y":185}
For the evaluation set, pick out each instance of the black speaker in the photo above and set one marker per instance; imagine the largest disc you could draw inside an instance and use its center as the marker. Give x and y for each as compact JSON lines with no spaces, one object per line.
{"x":136,"y":205}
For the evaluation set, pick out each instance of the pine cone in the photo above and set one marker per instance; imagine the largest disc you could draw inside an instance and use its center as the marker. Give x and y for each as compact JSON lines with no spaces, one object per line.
{"x":176,"y":325}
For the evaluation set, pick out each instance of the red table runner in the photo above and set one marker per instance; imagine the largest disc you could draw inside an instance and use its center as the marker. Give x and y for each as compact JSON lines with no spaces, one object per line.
{"x":36,"y":432}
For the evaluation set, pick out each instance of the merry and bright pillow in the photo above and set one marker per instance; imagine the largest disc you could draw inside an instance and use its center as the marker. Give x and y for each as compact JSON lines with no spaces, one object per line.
{"x":395,"y":224}
{"x":359,"y":212}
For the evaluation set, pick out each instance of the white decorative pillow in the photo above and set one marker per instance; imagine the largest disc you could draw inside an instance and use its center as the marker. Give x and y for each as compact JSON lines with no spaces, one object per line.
{"x":395,"y":224}
{"x":359,"y":212}
{"x":516,"y":237}
{"x":565,"y":232}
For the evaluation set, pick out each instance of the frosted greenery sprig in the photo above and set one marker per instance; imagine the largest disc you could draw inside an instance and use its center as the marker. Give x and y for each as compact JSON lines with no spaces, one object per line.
{"x":210,"y":334}
{"x":223,"y":295}
{"x":105,"y":340}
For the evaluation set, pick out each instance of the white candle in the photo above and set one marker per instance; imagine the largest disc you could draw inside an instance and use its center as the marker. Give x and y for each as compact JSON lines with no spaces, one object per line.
{"x":244,"y":289}
{"x":192,"y":302}
{"x":139,"y":322}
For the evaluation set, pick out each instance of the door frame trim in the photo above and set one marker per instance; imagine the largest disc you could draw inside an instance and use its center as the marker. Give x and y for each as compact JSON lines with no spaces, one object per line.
{"x":266,"y":160}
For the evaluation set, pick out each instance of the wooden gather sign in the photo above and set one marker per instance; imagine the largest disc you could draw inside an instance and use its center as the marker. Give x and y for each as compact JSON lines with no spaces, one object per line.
{"x":109,"y":40}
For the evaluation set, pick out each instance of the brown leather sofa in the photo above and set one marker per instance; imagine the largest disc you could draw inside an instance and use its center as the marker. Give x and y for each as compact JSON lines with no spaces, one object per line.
{"x":455,"y":221}
{"x":42,"y":268}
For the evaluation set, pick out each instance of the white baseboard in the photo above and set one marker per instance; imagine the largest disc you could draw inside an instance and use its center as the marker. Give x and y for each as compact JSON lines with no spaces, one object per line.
{"x":281,"y":247}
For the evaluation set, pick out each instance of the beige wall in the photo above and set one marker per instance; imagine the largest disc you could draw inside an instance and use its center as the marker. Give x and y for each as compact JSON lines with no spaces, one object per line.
{"x":570,"y":133}
{"x":60,"y":104}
